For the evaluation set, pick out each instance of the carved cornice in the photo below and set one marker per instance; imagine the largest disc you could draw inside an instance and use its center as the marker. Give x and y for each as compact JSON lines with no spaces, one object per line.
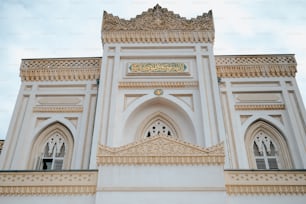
{"x":58,"y":109}
{"x":265,"y":182}
{"x":255,"y":66}
{"x":69,"y":69}
{"x":157,"y":25}
{"x":49,"y":182}
{"x":158,"y":84}
{"x":1,"y":145}
{"x":261,"y":107}
{"x":160,"y":150}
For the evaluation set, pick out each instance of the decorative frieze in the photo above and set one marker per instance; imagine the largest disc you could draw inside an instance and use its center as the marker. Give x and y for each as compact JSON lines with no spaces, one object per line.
{"x":157,"y":25}
{"x":160,"y":150}
{"x":69,"y":69}
{"x":261,"y":107}
{"x":58,"y":109}
{"x":48,"y":182}
{"x":231,"y":66}
{"x":157,"y":84}
{"x":265,"y":182}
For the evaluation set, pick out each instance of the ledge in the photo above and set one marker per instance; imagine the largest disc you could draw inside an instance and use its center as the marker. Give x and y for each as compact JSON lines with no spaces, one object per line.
{"x":248,"y":182}
{"x":48,"y":182}
{"x":60,"y":69}
{"x":246,"y":66}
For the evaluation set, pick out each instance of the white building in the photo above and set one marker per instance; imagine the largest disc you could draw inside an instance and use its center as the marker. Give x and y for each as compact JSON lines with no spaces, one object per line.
{"x":159,"y":118}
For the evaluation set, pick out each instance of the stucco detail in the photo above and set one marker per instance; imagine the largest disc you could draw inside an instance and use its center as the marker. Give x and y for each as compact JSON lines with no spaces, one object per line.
{"x":160,"y":150}
{"x":158,"y":84}
{"x":69,"y":69}
{"x":265,"y":182}
{"x":48,"y":182}
{"x":261,"y":107}
{"x":238,"y":66}
{"x":157,"y":25}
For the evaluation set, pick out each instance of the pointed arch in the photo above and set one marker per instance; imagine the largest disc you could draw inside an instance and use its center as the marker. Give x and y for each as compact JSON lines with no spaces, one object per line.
{"x":158,"y":124}
{"x":266,"y":147}
{"x":52,"y":148}
{"x":162,"y":109}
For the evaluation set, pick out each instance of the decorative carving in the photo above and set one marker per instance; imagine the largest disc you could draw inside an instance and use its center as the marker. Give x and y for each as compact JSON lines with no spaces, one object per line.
{"x":70,"y":69}
{"x":158,"y":25}
{"x":157,"y":84}
{"x":58,"y":109}
{"x":160,"y":150}
{"x":265,"y":182}
{"x":1,"y":145}
{"x":261,"y":107}
{"x":255,"y":66}
{"x":158,"y":92}
{"x":48,"y":182}
{"x":157,"y":68}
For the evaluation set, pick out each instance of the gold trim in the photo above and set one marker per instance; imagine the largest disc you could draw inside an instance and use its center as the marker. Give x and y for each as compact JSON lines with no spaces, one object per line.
{"x":159,"y":84}
{"x":42,"y":183}
{"x":157,"y":25}
{"x":160,"y":150}
{"x":261,"y":107}
{"x":66,"y":69}
{"x":241,"y":66}
{"x":265,"y":182}
{"x":58,"y":109}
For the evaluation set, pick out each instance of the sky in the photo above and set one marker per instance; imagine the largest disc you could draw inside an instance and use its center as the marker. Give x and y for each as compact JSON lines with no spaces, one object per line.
{"x":72,"y":28}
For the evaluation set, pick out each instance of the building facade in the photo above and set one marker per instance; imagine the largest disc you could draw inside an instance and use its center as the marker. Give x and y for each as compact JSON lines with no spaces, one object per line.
{"x":159,"y":118}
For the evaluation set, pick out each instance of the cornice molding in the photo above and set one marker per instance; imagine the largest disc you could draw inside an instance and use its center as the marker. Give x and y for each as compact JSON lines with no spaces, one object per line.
{"x":70,"y":69}
{"x":157,"y":25}
{"x":49,"y":182}
{"x":157,"y":84}
{"x":241,"y":66}
{"x":58,"y":109}
{"x":265,"y":182}
{"x":160,"y":150}
{"x":260,"y":107}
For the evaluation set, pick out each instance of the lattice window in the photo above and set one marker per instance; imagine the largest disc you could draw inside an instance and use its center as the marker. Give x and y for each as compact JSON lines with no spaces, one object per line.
{"x":54,"y":152}
{"x":159,"y":127}
{"x":266,"y":147}
{"x":265,"y":152}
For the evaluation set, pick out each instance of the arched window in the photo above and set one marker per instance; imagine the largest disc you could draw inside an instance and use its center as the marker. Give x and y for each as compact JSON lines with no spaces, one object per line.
{"x":159,"y":124}
{"x":265,"y":151}
{"x":53,"y":148}
{"x":266,"y":147}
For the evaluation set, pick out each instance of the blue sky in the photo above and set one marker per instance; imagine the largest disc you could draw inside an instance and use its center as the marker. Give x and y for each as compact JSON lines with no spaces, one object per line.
{"x":71,"y":28}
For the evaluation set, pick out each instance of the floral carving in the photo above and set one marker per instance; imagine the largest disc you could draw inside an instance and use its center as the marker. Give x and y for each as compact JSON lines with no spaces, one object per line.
{"x":161,"y":149}
{"x":158,"y":18}
{"x":158,"y":25}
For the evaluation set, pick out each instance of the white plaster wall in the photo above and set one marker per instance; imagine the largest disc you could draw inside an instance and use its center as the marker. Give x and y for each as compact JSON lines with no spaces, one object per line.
{"x":161,"y":197}
{"x":161,"y":176}
{"x":48,"y":199}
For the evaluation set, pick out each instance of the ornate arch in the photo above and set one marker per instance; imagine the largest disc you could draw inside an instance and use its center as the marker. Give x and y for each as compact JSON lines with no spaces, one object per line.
{"x":53,"y":144}
{"x":264,"y":142}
